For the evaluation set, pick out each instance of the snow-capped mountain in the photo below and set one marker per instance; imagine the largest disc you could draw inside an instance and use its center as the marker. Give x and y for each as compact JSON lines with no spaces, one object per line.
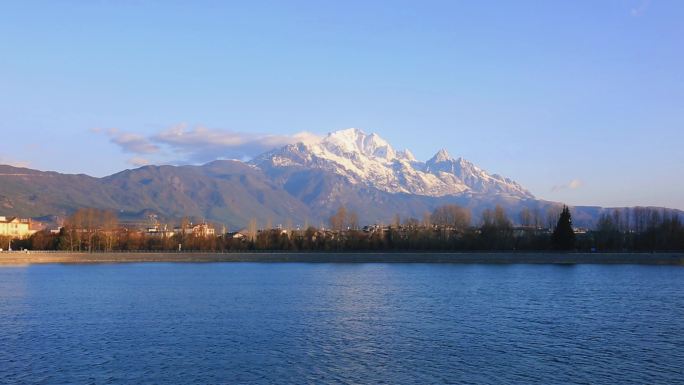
{"x":368,"y":159}
{"x":303,"y":183}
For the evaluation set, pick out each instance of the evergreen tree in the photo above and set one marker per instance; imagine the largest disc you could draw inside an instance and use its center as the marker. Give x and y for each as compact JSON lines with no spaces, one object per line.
{"x":563,"y":237}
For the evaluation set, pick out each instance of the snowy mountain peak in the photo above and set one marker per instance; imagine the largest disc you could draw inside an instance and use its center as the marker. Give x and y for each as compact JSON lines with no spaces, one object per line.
{"x":406,"y":155}
{"x":354,"y":140}
{"x":441,"y":156}
{"x":368,"y":159}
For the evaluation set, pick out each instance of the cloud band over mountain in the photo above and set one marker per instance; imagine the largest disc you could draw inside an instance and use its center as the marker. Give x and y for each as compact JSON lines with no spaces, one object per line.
{"x":198,"y":144}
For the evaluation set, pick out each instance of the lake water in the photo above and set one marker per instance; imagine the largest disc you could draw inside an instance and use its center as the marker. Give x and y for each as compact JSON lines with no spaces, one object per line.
{"x":341,"y":323}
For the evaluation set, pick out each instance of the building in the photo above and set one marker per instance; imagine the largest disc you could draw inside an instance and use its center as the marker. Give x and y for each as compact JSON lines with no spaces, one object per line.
{"x":201,"y":230}
{"x":237,"y":235}
{"x":15,"y":227}
{"x":159,"y":231}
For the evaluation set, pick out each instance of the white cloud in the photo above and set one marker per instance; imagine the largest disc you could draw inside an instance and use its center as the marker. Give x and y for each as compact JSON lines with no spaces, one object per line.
{"x":198,"y":144}
{"x":203,"y":144}
{"x":14,"y":163}
{"x":572,"y":185}
{"x":132,"y":143}
{"x":128,"y":142}
{"x":138,"y":161}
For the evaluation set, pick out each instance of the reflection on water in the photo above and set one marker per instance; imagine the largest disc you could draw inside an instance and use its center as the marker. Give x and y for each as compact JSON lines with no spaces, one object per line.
{"x":337,"y":323}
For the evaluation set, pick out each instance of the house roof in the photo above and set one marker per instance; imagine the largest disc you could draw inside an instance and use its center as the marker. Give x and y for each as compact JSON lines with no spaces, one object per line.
{"x":10,"y":220}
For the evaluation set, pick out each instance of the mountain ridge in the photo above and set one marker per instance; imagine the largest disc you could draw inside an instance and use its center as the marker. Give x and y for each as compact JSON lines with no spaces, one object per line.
{"x":300,"y":183}
{"x":369,"y":159}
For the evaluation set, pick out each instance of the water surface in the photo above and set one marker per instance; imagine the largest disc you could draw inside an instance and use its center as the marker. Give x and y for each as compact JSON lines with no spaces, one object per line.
{"x":341,"y":323}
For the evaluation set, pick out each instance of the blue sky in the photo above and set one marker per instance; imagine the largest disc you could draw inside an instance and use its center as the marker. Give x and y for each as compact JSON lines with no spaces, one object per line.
{"x":580,"y":101}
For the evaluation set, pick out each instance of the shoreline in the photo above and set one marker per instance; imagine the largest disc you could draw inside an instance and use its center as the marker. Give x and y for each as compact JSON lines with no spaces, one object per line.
{"x":31,"y":258}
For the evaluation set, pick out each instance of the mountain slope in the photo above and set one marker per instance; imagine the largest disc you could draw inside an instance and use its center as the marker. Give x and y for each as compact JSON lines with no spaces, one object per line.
{"x":228,"y":192}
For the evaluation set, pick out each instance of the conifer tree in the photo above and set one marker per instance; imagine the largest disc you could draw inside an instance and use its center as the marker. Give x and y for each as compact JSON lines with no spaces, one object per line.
{"x":563,"y":237}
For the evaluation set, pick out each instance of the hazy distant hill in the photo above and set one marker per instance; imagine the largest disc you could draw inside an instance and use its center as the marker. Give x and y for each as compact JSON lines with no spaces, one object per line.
{"x":298,"y":183}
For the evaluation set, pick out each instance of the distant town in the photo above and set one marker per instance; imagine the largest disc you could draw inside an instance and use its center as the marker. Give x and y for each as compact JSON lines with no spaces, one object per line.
{"x":447,"y":228}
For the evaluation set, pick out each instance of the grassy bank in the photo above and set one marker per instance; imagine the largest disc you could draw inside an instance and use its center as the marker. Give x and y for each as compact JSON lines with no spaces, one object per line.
{"x":19,"y":258}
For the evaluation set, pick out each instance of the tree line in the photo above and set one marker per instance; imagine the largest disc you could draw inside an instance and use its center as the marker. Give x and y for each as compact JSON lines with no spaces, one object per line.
{"x":639,"y":229}
{"x":447,"y":228}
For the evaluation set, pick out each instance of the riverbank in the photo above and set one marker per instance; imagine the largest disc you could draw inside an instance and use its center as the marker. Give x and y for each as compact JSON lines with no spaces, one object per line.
{"x":22,"y":258}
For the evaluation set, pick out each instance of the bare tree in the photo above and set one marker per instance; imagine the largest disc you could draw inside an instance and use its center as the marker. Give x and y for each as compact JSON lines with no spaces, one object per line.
{"x":110,"y":225}
{"x":496,"y":230}
{"x":396,"y":220}
{"x":552,"y":214}
{"x":537,"y":217}
{"x":452,"y":215}
{"x":252,"y":230}
{"x":353,"y":220}
{"x":411,"y":222}
{"x":339,"y":219}
{"x":426,"y":219}
{"x":500,"y":218}
{"x":526,"y":217}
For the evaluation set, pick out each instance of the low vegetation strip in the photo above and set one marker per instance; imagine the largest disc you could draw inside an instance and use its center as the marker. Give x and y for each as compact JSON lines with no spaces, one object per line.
{"x":18,"y":258}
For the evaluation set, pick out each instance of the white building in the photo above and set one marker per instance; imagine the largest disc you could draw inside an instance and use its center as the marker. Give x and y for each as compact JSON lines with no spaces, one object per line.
{"x":15,"y":227}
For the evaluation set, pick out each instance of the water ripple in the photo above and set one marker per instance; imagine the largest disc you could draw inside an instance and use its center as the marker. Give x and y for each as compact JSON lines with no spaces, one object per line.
{"x":341,"y":324}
